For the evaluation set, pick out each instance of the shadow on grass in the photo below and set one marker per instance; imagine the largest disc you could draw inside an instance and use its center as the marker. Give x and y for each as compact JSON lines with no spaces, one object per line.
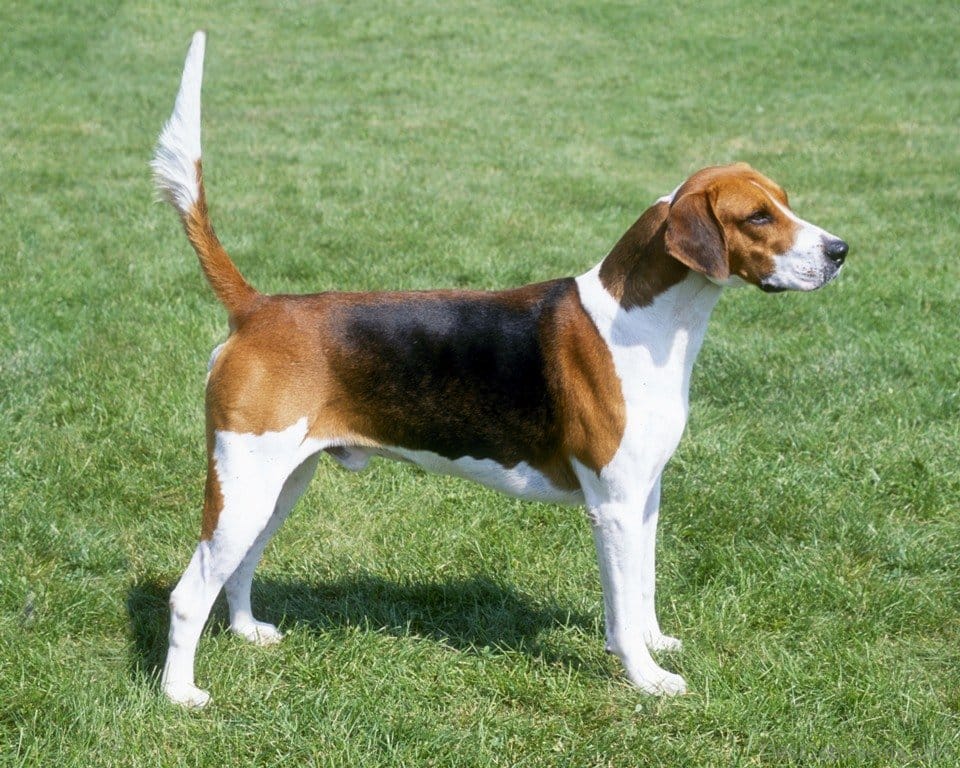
{"x":468,"y":614}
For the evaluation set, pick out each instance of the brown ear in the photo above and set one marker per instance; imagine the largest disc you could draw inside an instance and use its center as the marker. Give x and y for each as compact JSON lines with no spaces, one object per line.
{"x":694,"y":236}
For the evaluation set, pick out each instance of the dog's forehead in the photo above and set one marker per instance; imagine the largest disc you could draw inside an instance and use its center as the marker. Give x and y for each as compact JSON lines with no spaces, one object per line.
{"x":744,"y":193}
{"x":769,"y":186}
{"x":733,"y":184}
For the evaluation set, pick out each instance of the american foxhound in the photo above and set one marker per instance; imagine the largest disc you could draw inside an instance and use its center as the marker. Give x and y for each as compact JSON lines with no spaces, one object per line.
{"x":573,"y":390}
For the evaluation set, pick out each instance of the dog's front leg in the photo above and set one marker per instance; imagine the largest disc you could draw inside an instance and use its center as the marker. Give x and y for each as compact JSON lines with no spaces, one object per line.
{"x":623,"y":538}
{"x":655,"y":639}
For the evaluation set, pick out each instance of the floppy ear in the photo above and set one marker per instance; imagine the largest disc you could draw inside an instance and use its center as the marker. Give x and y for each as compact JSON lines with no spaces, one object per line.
{"x":694,"y":236}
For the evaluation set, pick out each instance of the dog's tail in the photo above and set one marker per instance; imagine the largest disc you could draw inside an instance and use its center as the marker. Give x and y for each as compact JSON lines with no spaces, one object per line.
{"x":178,"y":174}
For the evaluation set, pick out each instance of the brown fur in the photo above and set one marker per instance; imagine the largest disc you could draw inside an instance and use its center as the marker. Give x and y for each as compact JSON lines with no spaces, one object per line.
{"x":287,"y":360}
{"x":318,"y":356}
{"x":233,"y":291}
{"x":638,"y":268}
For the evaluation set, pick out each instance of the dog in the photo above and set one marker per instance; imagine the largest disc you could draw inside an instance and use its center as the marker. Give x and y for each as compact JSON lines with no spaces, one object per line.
{"x":573,"y":390}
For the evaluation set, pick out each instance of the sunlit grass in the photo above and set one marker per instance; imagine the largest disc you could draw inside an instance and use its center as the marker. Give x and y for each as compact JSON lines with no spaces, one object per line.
{"x":809,"y":553}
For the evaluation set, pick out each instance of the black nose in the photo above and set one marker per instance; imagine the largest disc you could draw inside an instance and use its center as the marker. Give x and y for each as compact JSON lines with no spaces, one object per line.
{"x":836,"y":250}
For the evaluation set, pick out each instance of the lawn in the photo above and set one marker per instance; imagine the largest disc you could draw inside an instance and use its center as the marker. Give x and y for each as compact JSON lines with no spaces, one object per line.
{"x":810,"y":536}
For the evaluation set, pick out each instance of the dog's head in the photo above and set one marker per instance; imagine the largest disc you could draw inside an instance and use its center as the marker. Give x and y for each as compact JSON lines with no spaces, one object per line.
{"x":733,"y":225}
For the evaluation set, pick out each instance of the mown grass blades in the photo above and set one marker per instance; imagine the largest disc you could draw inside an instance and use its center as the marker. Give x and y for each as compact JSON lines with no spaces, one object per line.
{"x":810,"y":537}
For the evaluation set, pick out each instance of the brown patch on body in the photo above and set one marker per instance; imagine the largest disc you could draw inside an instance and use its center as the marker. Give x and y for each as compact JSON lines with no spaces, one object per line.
{"x":514,"y":376}
{"x":587,"y":389}
{"x":212,"y":495}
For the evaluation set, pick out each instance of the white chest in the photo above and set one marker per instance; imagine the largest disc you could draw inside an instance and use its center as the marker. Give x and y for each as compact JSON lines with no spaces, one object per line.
{"x":654,"y":349}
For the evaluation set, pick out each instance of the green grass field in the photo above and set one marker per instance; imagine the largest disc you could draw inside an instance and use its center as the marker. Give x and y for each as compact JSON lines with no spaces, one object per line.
{"x":810,"y":537}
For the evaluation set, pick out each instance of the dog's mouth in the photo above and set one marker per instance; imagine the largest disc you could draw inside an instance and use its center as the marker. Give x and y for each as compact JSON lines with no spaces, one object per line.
{"x":807,"y":281}
{"x":767,"y":287}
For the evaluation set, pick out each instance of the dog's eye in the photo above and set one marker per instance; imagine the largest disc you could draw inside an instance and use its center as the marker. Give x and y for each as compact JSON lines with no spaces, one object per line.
{"x":759,"y":218}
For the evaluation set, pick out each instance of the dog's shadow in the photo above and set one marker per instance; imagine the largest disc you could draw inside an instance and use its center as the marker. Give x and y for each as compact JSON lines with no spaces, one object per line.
{"x":473,"y":615}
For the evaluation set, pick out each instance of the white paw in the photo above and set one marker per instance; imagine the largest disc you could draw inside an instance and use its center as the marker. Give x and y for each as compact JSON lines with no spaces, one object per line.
{"x":186,"y":695}
{"x":258,"y":633}
{"x":671,"y":685}
{"x":661,"y":642}
{"x":655,"y":680}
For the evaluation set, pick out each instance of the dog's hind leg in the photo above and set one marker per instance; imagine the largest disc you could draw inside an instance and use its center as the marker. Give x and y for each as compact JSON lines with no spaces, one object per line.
{"x":213,"y":561}
{"x":242,"y":621}
{"x":247,"y":476}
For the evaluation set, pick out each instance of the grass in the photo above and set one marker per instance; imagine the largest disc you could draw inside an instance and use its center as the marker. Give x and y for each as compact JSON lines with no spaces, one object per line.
{"x":810,"y":544}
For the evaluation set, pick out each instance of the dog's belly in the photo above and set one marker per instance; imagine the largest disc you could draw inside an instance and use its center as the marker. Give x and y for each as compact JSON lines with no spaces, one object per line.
{"x":521,"y":480}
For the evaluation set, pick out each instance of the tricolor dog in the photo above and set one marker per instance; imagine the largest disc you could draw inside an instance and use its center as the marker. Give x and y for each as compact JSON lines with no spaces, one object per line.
{"x":572,"y":390}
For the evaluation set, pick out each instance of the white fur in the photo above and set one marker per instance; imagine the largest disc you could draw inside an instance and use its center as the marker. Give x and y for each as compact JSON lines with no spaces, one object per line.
{"x":805,"y":267}
{"x":213,"y":357}
{"x":669,"y":198}
{"x":732,"y":281}
{"x":178,"y":149}
{"x":654,"y":349}
{"x":522,"y":480}
{"x":261,"y":477}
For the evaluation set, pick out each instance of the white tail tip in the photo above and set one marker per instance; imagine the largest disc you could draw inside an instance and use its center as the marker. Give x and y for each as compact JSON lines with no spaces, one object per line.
{"x":178,"y":149}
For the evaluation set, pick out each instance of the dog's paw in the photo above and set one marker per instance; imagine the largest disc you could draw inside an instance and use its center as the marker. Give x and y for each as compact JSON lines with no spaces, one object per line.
{"x":661,"y":642}
{"x":662,"y":684}
{"x":186,"y":695}
{"x":671,"y":685}
{"x":258,"y":633}
{"x":651,"y":678}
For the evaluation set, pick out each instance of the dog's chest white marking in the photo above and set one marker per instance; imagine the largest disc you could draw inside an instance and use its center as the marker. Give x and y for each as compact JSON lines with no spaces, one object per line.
{"x":654,"y":349}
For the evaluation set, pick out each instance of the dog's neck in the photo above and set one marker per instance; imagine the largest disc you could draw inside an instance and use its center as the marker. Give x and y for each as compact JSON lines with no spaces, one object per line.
{"x":638,"y":268}
{"x":648,"y":305}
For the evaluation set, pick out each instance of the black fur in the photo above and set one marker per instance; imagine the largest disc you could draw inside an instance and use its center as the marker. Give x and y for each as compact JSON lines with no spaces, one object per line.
{"x":458,"y":374}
